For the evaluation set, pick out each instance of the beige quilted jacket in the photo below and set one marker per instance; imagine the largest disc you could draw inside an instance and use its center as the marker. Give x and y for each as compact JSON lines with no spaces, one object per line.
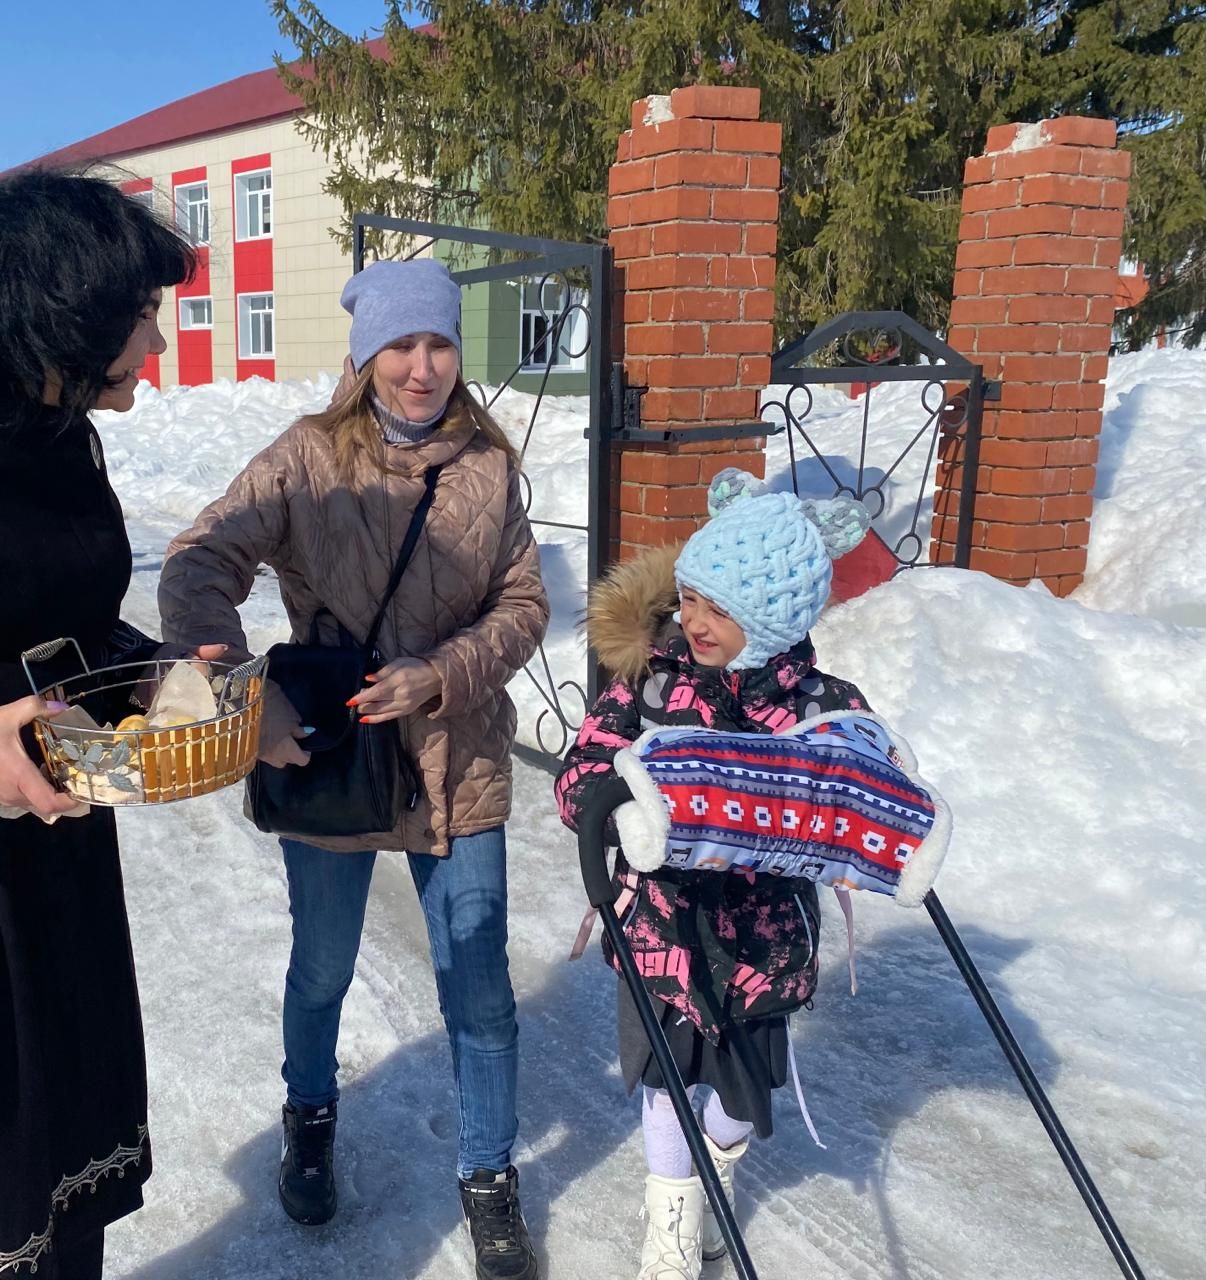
{"x":471,"y":601}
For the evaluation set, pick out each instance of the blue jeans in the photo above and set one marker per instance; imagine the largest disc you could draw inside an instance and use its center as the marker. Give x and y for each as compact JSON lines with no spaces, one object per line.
{"x":464,"y":900}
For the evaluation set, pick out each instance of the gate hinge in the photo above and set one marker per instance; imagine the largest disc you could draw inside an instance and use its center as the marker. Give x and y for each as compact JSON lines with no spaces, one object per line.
{"x":625,"y":406}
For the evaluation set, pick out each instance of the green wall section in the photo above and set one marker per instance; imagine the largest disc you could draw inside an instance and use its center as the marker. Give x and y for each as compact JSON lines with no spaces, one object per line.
{"x":490,"y":332}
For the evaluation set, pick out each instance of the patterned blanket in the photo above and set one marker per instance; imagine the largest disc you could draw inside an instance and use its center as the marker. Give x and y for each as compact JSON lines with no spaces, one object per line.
{"x":836,"y":799}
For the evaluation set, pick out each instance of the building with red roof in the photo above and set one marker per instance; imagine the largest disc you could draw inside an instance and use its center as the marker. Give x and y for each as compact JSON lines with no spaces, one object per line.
{"x":230,"y":168}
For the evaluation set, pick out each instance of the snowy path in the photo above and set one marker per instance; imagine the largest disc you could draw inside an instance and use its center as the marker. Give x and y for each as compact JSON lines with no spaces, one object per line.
{"x":936,"y":1167}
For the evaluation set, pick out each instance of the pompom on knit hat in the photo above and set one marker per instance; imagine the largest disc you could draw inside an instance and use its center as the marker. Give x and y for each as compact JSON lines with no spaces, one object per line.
{"x":388,"y":300}
{"x":765,"y":559}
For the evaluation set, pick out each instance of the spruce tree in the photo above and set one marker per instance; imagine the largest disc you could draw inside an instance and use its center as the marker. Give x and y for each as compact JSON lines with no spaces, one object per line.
{"x":1141,"y":63}
{"x":506,"y":112}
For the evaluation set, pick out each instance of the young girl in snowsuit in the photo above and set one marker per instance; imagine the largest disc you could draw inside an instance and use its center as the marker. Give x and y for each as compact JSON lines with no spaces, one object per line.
{"x":727,"y":955}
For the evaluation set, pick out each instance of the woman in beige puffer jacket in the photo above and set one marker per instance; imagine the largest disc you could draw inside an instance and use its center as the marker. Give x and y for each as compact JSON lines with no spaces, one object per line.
{"x":327,"y":505}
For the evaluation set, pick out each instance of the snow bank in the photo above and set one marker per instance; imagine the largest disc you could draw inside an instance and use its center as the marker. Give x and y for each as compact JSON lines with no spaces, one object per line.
{"x":1147,"y":550}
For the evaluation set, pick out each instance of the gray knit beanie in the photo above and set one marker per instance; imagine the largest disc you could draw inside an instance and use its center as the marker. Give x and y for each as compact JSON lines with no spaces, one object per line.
{"x":388,"y":300}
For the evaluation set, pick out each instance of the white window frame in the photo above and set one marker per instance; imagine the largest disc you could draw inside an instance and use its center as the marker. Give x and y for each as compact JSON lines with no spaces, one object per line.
{"x":146,"y":197}
{"x":247,"y":326}
{"x":245,"y":199}
{"x":573,"y":334}
{"x":186,"y":203}
{"x":185,"y":305}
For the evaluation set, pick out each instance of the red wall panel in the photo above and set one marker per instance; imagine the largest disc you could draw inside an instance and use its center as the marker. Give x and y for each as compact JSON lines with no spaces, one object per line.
{"x":195,"y":347}
{"x":150,"y":369}
{"x":252,"y":266}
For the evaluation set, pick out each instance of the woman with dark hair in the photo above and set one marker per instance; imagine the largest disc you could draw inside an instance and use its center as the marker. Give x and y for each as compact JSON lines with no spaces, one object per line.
{"x":81,"y":273}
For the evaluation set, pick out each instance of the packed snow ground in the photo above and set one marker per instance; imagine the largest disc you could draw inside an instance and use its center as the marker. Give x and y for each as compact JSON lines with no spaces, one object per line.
{"x":1070,"y":742}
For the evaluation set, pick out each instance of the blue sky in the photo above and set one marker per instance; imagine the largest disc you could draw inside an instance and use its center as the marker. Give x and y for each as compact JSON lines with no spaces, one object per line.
{"x":76,"y":67}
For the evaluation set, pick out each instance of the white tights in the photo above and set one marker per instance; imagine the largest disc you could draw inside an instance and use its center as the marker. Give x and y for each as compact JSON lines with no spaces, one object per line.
{"x":666,"y":1150}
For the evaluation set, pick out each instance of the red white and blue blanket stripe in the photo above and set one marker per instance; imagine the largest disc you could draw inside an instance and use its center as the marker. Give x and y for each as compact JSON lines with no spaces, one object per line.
{"x":836,"y":799}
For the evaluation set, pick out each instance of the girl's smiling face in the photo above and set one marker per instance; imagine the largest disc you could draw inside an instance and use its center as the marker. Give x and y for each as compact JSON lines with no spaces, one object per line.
{"x":714,"y":637}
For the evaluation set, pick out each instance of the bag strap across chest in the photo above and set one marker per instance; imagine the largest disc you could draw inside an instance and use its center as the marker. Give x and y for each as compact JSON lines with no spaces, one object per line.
{"x":409,"y":543}
{"x":405,"y":552}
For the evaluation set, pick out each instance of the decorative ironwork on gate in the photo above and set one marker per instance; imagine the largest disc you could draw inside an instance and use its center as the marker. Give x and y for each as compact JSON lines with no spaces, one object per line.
{"x":565,"y":291}
{"x":859,"y":351}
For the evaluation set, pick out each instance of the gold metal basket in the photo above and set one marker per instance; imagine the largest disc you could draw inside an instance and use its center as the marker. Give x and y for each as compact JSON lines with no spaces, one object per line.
{"x":149,"y":766}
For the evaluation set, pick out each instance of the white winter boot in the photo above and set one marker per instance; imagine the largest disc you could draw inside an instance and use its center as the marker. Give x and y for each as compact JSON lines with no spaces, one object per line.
{"x":673,"y":1212}
{"x":724,"y":1158}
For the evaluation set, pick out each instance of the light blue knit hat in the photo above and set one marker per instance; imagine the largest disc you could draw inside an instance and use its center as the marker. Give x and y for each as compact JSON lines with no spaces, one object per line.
{"x":765,"y":559}
{"x":388,"y":300}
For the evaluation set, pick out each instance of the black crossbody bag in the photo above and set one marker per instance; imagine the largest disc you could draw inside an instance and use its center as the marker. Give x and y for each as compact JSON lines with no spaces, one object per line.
{"x":358,"y":778}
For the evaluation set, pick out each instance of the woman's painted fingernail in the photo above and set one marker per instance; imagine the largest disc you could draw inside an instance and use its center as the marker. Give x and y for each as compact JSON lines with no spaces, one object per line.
{"x":364,"y":720}
{"x":56,"y":706}
{"x":351,"y":702}
{"x":370,"y":678}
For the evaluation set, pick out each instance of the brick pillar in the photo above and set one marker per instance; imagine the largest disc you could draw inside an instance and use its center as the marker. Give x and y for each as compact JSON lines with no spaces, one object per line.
{"x":1035,"y":279}
{"x":693,"y":213}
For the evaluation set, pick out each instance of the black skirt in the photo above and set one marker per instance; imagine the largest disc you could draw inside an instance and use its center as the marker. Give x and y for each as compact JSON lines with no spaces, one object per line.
{"x":73,"y":1098}
{"x":749,"y":1062}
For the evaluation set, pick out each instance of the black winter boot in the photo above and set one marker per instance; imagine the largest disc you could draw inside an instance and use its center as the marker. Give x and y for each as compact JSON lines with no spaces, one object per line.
{"x":307,"y":1184}
{"x":500,"y":1238}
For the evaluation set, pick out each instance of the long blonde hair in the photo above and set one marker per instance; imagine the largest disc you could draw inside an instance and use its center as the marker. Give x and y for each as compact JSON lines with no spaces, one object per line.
{"x":352,"y":425}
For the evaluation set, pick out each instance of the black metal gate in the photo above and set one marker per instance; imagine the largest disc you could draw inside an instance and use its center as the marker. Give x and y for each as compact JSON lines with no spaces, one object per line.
{"x":859,"y":351}
{"x":561,"y":680}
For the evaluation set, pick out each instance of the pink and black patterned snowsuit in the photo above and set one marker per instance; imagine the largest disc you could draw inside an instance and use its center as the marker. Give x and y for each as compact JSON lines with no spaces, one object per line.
{"x":721,"y":947}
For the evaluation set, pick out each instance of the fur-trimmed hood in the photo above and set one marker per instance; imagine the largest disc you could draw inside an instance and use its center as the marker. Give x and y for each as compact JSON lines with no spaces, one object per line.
{"x":628,"y":610}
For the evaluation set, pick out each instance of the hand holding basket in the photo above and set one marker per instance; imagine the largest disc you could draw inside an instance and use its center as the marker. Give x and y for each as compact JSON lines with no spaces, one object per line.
{"x":138,"y":762}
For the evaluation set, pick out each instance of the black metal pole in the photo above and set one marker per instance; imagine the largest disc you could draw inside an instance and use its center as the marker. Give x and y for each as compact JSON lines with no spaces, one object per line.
{"x":1034,"y":1091}
{"x":357,"y":245}
{"x":601,"y":893}
{"x":972,"y":426}
{"x":598,"y":499}
{"x":679,"y":1097}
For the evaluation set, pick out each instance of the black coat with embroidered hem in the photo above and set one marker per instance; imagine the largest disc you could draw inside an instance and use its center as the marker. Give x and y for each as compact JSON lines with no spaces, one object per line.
{"x":723,"y":948}
{"x":73,"y":1097}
